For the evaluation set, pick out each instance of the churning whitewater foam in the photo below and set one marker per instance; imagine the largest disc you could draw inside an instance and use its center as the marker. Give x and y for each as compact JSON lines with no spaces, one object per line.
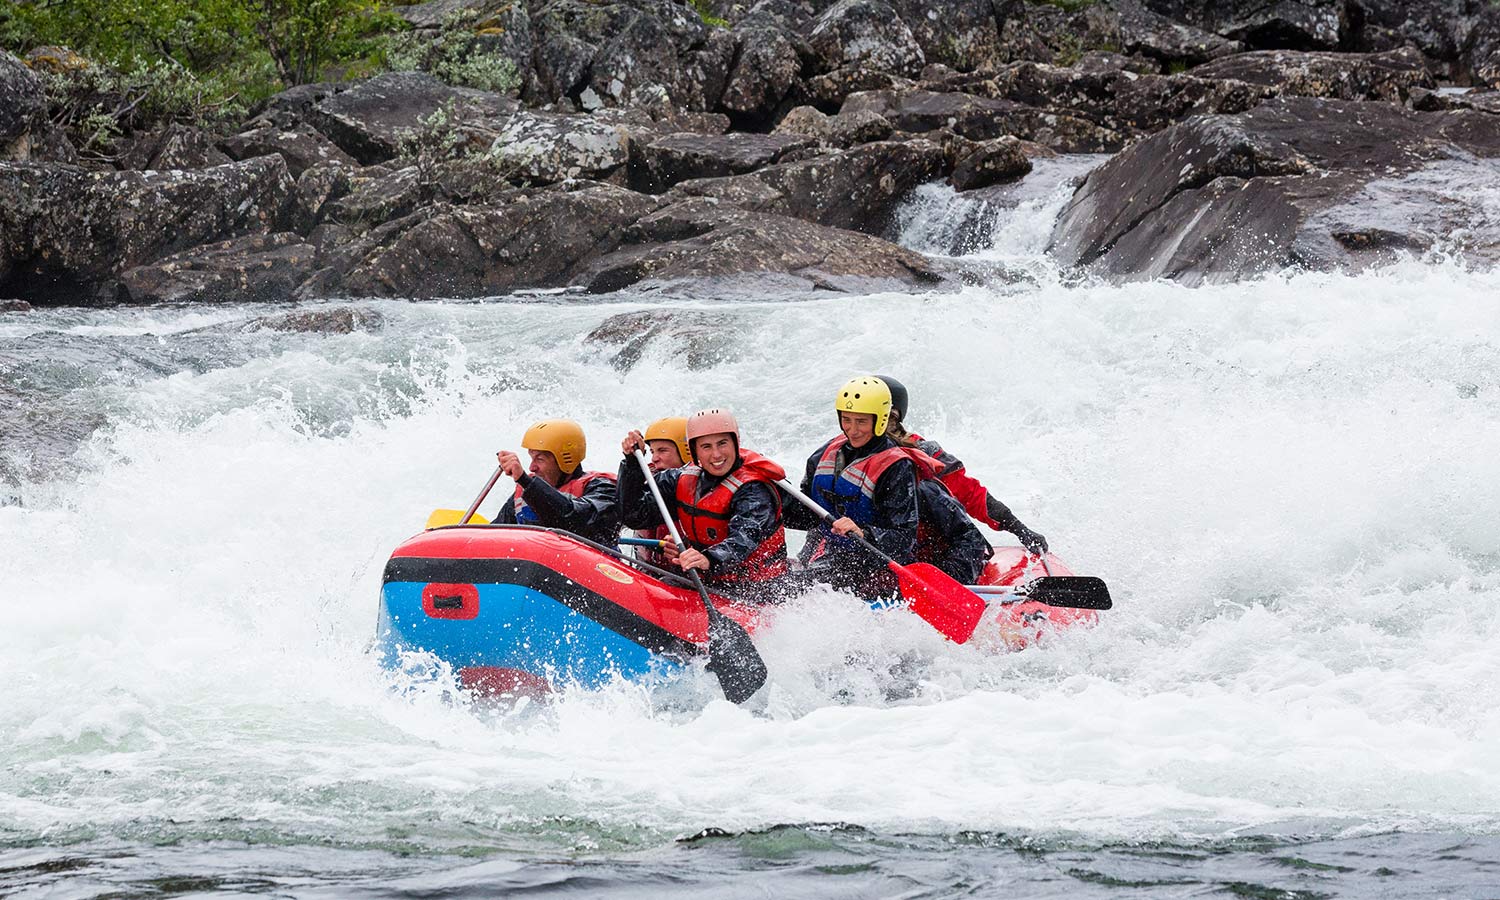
{"x":1290,"y":485}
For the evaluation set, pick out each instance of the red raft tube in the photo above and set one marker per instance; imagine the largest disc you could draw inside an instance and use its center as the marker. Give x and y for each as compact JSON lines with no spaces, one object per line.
{"x":518,"y":609}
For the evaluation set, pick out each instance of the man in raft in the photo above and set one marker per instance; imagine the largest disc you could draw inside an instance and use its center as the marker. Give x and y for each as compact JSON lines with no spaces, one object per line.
{"x":725,"y":505}
{"x":555,"y":491}
{"x":869,"y":484}
{"x":666,"y":441}
{"x":967,"y":490}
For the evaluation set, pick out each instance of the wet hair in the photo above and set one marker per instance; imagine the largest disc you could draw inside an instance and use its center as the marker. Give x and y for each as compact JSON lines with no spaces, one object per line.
{"x":897,"y":431}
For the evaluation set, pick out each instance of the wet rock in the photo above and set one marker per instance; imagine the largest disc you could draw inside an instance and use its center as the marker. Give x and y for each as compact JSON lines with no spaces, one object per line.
{"x":1343,"y":76}
{"x":1321,"y":184}
{"x":251,"y":269}
{"x":66,"y":232}
{"x":701,"y":238}
{"x":334,"y":320}
{"x":301,"y":147}
{"x":844,"y":130}
{"x":1437,"y":101}
{"x":530,"y":238}
{"x":856,"y":189}
{"x":702,"y":339}
{"x":173,"y":147}
{"x":23,"y":101}
{"x":765,"y":72}
{"x":658,"y":164}
{"x":14,"y":306}
{"x":370,"y":120}
{"x":992,"y":162}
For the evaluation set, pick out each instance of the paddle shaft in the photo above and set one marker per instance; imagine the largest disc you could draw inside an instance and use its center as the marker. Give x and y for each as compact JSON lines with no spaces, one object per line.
{"x":732,"y":655}
{"x":489,"y":485}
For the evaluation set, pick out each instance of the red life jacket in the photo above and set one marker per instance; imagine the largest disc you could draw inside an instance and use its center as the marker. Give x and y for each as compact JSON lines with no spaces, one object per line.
{"x":964,"y":487}
{"x":573,"y":487}
{"x":704,"y":521}
{"x":861,"y":476}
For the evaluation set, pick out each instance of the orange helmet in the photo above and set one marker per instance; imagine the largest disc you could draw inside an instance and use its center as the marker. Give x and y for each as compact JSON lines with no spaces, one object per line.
{"x":563,"y":438}
{"x":711,"y":421}
{"x":672,"y":428}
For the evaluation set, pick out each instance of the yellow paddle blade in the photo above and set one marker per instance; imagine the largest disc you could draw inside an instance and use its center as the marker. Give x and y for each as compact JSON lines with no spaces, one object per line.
{"x":442,"y":517}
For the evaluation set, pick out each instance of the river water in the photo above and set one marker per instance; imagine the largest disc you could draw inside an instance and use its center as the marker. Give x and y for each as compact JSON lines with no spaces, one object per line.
{"x":1289,"y":484}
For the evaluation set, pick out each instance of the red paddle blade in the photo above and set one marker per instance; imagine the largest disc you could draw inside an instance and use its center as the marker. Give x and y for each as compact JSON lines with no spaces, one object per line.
{"x":943,"y":602}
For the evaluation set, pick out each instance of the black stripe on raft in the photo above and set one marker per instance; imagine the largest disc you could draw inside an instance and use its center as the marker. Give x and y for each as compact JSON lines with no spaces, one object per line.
{"x":537,"y":577}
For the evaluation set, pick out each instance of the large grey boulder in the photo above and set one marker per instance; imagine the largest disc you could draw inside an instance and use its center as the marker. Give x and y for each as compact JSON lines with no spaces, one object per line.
{"x":982,"y":118}
{"x":765,"y":73}
{"x":1321,"y":184}
{"x":370,"y":121}
{"x":1261,"y":25}
{"x":963,"y":34}
{"x":543,"y":148}
{"x":530,"y":238}
{"x":174,"y":146}
{"x":1170,"y":43}
{"x":866,"y":35}
{"x":657,"y":164}
{"x":23,"y":100}
{"x":300,"y":146}
{"x":702,"y":238}
{"x":66,"y":233}
{"x":638,"y":53}
{"x":702,"y":338}
{"x":856,"y":189}
{"x":1392,"y":75}
{"x":839,"y":132}
{"x":255,"y":268}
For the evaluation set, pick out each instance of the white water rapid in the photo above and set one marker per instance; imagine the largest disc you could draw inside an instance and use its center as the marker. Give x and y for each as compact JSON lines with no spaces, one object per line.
{"x":1289,"y":484}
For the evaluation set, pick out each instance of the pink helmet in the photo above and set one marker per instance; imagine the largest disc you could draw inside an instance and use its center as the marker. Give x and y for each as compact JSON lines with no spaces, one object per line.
{"x":711,"y":421}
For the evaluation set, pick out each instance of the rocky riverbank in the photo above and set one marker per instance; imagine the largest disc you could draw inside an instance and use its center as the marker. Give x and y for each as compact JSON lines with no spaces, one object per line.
{"x":656,"y":140}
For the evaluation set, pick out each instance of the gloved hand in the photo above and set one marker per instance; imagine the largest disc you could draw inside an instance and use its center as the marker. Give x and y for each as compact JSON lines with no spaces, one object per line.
{"x":1033,"y":542}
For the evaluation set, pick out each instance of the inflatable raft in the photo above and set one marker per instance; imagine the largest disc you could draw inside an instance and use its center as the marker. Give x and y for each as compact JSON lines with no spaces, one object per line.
{"x":522,"y":610}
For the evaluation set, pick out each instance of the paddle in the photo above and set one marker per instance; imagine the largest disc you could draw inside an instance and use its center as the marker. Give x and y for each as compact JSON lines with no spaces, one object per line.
{"x":732,"y":657}
{"x":931,"y":593}
{"x":1073,"y":591}
{"x":653,"y":543}
{"x":440,"y":517}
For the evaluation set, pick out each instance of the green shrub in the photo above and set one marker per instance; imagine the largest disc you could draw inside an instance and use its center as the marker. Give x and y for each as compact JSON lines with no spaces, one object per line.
{"x":98,"y":104}
{"x":456,"y":55}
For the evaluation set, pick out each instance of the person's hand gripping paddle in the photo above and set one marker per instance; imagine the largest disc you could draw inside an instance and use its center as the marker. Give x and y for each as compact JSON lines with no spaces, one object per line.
{"x":931,"y":593}
{"x":732,"y":656}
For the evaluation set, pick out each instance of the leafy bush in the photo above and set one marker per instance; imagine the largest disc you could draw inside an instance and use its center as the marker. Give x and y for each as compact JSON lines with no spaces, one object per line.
{"x":456,"y":55}
{"x":97,"y":104}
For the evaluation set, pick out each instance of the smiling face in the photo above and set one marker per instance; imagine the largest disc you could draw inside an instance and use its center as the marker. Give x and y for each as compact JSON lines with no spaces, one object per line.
{"x":544,"y":466}
{"x":664,"y":455}
{"x":716,"y":453}
{"x":859,"y":428}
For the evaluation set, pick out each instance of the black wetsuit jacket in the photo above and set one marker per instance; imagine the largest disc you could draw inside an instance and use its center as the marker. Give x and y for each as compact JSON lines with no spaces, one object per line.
{"x":594,"y":516}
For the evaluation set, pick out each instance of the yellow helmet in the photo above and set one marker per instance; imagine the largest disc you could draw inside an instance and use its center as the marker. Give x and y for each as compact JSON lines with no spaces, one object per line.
{"x":563,"y":438}
{"x":866,"y":394}
{"x":674,"y":429}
